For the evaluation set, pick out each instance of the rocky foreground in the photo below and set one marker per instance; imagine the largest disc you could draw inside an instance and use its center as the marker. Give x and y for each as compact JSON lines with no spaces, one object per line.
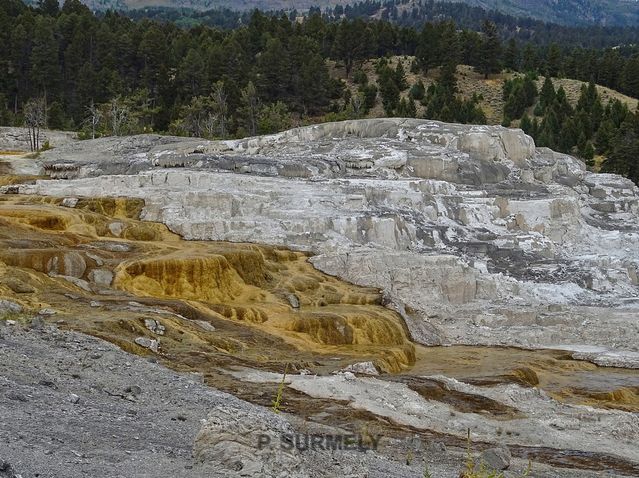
{"x":474,"y":236}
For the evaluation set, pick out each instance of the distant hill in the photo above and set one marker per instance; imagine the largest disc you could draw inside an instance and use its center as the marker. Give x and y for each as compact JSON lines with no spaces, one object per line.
{"x":566,"y":12}
{"x":98,"y":5}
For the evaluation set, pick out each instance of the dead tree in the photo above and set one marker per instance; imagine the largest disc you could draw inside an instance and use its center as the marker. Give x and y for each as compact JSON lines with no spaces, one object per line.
{"x":119,"y":116}
{"x":94,"y":117}
{"x":357,"y":103}
{"x":250,"y":107}
{"x":220,"y":106}
{"x":34,"y":118}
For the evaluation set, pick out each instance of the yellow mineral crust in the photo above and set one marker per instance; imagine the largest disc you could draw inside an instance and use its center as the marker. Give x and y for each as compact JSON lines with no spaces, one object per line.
{"x":97,"y":250}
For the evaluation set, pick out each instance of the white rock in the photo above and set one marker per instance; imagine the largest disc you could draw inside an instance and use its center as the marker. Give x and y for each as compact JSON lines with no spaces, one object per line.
{"x":70,"y":202}
{"x":101,"y":276}
{"x":364,"y":368}
{"x":147,"y":343}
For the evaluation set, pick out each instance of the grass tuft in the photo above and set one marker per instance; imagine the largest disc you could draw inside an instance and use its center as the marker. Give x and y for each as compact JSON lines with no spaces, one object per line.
{"x":277,"y":401}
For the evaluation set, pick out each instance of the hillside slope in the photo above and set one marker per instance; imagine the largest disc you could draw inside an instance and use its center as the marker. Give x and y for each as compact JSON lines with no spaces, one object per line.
{"x":100,"y":5}
{"x":567,"y":12}
{"x":470,"y":82}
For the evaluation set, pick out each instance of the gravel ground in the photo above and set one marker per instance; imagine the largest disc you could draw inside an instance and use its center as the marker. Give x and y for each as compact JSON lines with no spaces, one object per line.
{"x":75,"y":406}
{"x":72,"y":405}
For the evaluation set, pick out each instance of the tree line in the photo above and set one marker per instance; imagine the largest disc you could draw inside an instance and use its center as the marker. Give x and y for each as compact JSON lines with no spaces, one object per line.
{"x":414,"y":14}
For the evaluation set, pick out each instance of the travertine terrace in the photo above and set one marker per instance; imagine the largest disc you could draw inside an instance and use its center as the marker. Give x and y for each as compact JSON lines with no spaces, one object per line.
{"x":359,"y":246}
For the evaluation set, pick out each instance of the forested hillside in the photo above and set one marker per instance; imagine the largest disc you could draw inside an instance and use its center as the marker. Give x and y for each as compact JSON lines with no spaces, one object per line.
{"x":70,"y":69}
{"x":414,"y":14}
{"x":566,"y":12}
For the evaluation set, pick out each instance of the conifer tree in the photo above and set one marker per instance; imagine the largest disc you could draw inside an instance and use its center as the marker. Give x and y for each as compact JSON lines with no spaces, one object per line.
{"x":490,"y":50}
{"x":547,"y":94}
{"x":553,"y":61}
{"x":511,"y":55}
{"x":630,"y":77}
{"x":418,"y":90}
{"x":624,"y":157}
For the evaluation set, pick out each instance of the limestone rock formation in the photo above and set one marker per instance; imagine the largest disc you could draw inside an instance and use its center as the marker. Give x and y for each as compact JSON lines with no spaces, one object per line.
{"x":471,"y":231}
{"x":473,"y":235}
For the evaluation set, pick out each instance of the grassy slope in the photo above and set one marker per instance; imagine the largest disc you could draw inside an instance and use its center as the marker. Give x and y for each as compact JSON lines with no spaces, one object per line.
{"x":470,"y":82}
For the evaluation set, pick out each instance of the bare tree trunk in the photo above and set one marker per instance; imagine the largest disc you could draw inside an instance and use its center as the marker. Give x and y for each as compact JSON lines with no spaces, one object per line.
{"x":220,"y":106}
{"x":34,"y":118}
{"x":29,"y":130}
{"x":119,"y":116}
{"x":94,"y":116}
{"x":46,"y":112}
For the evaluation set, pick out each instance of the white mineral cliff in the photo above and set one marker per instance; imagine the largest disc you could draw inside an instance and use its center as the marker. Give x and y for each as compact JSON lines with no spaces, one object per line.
{"x":475,"y":235}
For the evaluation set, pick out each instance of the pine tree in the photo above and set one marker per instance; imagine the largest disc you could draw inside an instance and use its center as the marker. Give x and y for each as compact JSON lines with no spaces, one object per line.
{"x":567,"y":137}
{"x":549,"y":130}
{"x":511,"y":55}
{"x":490,"y":50}
{"x":604,"y":136}
{"x":412,"y":108}
{"x":369,"y":92}
{"x":553,"y":61}
{"x":192,"y":74}
{"x":624,"y":159}
{"x":447,"y":78}
{"x":561,"y":106}
{"x":274,"y":81}
{"x":273,"y":118}
{"x":438,"y":44}
{"x":389,"y":91}
{"x":313,"y":84}
{"x":219,"y":106}
{"x":44,"y":59}
{"x":547,"y":94}
{"x":406,"y":108}
{"x":75,"y":7}
{"x":588,"y":154}
{"x":351,"y":43}
{"x":534,"y":130}
{"x":630,"y":77}
{"x":530,"y":60}
{"x":417,"y":91}
{"x":400,"y":76}
{"x":153,"y":52}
